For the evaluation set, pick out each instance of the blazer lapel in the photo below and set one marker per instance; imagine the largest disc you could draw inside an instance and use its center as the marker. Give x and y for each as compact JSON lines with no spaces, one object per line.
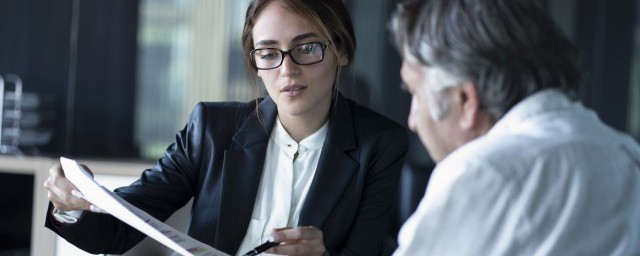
{"x":335,"y":167}
{"x":241,"y":173}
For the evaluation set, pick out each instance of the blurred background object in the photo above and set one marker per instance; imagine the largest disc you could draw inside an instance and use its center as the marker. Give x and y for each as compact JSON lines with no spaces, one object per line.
{"x":25,"y":125}
{"x":117,"y":79}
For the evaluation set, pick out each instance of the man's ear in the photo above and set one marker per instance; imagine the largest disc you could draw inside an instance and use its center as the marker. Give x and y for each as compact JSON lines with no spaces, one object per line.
{"x":470,"y":106}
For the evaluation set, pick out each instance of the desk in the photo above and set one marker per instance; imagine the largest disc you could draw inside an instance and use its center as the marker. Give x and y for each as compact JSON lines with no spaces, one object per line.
{"x":43,"y":240}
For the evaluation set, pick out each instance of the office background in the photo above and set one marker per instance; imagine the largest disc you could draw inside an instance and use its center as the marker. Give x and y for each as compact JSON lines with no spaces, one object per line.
{"x":116,"y":79}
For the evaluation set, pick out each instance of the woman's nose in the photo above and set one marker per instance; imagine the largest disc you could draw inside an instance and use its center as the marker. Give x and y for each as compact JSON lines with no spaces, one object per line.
{"x":288,"y":67}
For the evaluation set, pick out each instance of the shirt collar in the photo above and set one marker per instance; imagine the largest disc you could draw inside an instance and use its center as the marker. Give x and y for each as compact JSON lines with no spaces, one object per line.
{"x":313,"y":141}
{"x":538,"y":103}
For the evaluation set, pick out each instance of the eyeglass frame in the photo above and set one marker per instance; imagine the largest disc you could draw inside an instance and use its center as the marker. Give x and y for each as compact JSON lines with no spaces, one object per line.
{"x":288,"y":52}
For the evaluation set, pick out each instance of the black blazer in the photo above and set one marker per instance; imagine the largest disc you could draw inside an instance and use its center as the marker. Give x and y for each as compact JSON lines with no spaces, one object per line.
{"x":218,"y":159}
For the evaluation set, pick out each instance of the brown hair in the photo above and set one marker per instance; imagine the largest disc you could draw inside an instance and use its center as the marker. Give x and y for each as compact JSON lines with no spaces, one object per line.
{"x":329,"y":17}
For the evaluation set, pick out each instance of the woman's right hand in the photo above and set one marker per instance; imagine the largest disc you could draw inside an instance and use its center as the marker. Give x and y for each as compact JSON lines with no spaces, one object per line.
{"x":63,"y":194}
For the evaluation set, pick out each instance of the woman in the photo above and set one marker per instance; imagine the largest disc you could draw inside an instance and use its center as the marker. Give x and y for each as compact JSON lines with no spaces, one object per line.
{"x":305,"y":166}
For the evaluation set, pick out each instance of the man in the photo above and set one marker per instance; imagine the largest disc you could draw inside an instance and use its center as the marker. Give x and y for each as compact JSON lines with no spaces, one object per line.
{"x":523,"y":167}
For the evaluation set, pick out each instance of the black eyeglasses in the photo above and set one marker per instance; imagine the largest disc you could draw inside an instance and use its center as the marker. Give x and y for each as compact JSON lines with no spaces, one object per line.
{"x":303,"y":54}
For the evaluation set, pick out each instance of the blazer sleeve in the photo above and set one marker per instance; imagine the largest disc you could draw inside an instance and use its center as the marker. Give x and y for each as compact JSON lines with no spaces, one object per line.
{"x":160,"y":191}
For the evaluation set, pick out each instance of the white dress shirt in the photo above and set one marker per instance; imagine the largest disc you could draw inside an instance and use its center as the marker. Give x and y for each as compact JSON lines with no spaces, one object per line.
{"x":284,"y":184}
{"x":548,"y":179}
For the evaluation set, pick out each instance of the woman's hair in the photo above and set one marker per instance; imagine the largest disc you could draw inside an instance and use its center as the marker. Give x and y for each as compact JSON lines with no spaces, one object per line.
{"x":509,"y":49}
{"x":329,"y":17}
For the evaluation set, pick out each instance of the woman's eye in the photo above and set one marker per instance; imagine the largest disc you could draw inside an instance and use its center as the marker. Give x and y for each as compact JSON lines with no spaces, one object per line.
{"x":268,"y":56}
{"x":306,"y":48}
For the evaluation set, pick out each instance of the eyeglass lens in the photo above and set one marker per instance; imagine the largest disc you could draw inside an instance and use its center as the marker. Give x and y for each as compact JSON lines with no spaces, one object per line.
{"x":304,"y":54}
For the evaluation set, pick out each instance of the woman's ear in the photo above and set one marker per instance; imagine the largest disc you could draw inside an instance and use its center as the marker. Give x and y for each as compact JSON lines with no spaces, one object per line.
{"x":343,"y":60}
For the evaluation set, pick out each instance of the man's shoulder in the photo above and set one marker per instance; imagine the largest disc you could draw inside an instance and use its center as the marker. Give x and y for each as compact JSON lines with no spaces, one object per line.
{"x":505,"y":156}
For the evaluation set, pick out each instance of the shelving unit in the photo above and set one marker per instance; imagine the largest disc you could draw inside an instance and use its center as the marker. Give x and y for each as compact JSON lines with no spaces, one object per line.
{"x":24,"y":119}
{"x":10,"y":114}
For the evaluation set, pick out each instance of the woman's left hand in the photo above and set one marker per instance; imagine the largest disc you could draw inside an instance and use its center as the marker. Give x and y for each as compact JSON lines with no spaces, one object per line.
{"x":298,"y":241}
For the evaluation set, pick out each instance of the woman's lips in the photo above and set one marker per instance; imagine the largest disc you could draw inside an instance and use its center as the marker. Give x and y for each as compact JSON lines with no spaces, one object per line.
{"x":293,"y":90}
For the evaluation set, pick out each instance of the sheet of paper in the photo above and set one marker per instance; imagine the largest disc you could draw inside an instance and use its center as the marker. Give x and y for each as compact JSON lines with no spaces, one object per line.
{"x":121,"y":209}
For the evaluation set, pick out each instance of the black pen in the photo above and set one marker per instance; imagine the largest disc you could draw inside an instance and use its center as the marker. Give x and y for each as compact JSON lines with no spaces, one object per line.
{"x":261,"y":248}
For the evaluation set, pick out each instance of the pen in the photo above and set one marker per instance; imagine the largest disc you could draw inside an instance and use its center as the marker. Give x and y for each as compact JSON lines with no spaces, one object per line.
{"x":261,"y":248}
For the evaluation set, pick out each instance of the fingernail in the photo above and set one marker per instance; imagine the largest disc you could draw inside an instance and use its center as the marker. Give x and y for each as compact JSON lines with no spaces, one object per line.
{"x":274,"y":238}
{"x":77,"y":194}
{"x":94,"y":208}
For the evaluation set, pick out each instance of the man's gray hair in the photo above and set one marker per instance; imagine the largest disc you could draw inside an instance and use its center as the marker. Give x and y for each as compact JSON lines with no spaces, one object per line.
{"x":509,"y":49}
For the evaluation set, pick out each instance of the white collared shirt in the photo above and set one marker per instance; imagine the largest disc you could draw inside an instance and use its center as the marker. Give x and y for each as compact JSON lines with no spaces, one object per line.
{"x":284,"y":184}
{"x":548,"y":179}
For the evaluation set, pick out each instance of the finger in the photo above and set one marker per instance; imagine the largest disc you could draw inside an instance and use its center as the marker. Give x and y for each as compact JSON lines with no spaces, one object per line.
{"x":278,"y":230}
{"x":46,"y":183}
{"x":56,"y":170}
{"x":92,"y":207}
{"x":298,"y":233}
{"x":62,"y":193}
{"x":74,"y":204}
{"x":96,"y":209}
{"x":72,"y":201}
{"x":77,"y":194}
{"x":274,"y":236}
{"x":87,"y":169}
{"x":57,"y":179}
{"x":313,"y":247}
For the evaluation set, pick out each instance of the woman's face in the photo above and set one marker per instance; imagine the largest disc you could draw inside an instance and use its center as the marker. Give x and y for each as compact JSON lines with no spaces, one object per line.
{"x":298,"y":90}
